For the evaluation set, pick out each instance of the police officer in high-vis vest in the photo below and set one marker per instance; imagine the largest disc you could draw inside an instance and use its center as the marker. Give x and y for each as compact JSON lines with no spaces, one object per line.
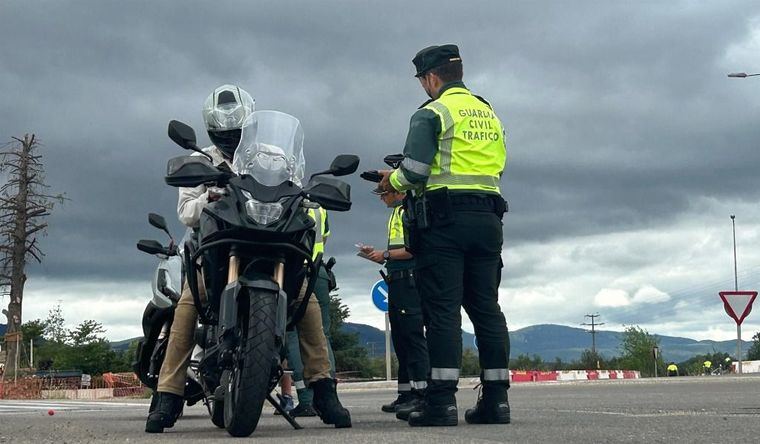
{"x":453,"y":159}
{"x":404,"y":310}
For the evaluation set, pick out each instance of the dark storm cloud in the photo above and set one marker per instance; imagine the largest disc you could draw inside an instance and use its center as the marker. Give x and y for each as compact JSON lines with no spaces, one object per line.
{"x":618,"y":114}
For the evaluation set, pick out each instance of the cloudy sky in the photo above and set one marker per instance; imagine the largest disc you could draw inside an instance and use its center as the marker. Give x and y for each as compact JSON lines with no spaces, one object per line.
{"x":628,"y":146}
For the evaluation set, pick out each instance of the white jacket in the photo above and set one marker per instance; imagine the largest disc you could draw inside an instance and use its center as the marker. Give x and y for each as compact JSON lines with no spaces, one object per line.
{"x":192,"y":200}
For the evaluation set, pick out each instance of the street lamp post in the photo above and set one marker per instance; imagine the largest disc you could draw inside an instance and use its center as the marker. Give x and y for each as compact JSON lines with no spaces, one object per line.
{"x":736,"y":275}
{"x":736,"y":288}
{"x":741,"y":75}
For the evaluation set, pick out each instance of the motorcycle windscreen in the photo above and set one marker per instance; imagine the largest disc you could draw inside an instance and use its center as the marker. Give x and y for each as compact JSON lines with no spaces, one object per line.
{"x":271,"y":149}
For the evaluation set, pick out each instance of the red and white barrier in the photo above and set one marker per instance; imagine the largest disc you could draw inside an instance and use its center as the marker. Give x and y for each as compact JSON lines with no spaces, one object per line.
{"x":570,"y":375}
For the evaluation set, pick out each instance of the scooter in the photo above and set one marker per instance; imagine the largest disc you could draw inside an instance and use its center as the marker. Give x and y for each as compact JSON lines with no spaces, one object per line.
{"x":159,"y":314}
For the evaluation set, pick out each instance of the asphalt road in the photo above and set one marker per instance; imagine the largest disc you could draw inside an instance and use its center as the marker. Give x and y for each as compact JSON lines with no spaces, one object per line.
{"x":698,"y":409}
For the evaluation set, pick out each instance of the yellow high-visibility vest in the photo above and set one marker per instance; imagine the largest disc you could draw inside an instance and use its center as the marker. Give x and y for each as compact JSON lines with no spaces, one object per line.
{"x":396,"y":229}
{"x":472,"y":151}
{"x":320,"y":218}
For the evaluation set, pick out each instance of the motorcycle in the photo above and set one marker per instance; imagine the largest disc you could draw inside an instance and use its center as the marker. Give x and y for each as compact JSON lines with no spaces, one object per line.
{"x":254,"y":247}
{"x":159,"y":313}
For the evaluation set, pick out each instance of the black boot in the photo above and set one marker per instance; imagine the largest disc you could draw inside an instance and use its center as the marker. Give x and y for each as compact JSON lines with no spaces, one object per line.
{"x":415,"y":404}
{"x":303,"y":410}
{"x":166,"y":414}
{"x":435,"y":415}
{"x":327,"y":405}
{"x":403,"y":397}
{"x":492,"y":407}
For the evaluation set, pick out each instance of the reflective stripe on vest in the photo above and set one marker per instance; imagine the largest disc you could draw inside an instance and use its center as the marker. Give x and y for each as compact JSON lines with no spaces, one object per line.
{"x":471,"y":148}
{"x":396,"y":228}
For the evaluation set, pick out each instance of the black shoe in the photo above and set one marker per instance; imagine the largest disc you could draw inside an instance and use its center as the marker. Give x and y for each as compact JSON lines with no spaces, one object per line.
{"x":435,"y":415}
{"x":166,"y":414}
{"x":401,"y":399}
{"x":415,"y":404}
{"x":492,"y":408}
{"x":302,"y":411}
{"x":327,"y":405}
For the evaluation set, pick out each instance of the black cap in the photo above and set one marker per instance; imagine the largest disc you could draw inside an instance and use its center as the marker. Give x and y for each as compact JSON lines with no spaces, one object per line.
{"x":435,"y":56}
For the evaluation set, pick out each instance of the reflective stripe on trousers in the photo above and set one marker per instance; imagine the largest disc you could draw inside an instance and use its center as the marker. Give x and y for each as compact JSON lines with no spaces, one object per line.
{"x":444,"y":374}
{"x":495,"y":374}
{"x":419,"y":385}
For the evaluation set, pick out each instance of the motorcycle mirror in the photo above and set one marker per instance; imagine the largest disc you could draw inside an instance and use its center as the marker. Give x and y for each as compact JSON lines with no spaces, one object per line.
{"x":157,"y":221}
{"x":184,"y":136}
{"x":151,"y":247}
{"x":344,"y":164}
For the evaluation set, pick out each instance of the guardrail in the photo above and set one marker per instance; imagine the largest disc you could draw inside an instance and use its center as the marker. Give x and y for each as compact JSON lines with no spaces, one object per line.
{"x":570,"y":375}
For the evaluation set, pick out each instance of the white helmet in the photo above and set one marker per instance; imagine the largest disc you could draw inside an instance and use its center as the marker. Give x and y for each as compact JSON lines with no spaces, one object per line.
{"x":224,"y":112}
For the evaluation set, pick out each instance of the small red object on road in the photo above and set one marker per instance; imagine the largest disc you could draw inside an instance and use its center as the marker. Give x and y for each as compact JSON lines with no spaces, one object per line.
{"x":51,"y":412}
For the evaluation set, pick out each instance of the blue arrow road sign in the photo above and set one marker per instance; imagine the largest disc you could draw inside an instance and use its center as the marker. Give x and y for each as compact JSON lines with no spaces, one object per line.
{"x":380,"y":295}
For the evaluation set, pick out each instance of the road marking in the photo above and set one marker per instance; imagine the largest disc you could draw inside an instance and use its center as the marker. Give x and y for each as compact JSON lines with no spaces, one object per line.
{"x":21,"y":406}
{"x":660,"y":413}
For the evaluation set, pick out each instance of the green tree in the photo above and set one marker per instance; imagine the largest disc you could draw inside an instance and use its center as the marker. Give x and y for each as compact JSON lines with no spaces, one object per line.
{"x":470,"y":363}
{"x":558,"y":364}
{"x":87,"y":350}
{"x":55,"y":330}
{"x":86,"y":333}
{"x":33,"y":330}
{"x":753,"y":353}
{"x":83,"y":348}
{"x":636,"y":348}
{"x":525,"y":362}
{"x":591,"y":360}
{"x":350,"y":356}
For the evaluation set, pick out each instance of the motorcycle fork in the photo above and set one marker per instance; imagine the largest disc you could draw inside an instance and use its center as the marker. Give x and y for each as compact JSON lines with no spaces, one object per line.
{"x":227,"y":339}
{"x":233,"y":271}
{"x":279,"y":274}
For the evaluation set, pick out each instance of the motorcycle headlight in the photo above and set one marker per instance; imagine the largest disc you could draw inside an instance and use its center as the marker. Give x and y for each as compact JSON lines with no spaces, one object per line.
{"x":263,"y":213}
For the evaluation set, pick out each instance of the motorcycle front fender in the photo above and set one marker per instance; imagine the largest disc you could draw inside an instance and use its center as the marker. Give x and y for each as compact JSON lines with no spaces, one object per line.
{"x":228,"y":306}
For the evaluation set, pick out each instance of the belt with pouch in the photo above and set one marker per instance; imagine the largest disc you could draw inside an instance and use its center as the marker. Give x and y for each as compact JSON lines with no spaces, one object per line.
{"x":398,"y":275}
{"x":478,"y":202}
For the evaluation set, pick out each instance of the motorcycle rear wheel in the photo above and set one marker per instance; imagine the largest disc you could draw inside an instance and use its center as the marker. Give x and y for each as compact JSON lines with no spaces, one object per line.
{"x":248,"y":384}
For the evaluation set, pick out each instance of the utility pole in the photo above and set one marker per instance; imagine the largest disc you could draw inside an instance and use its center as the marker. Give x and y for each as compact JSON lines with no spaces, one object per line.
{"x":593,"y":325}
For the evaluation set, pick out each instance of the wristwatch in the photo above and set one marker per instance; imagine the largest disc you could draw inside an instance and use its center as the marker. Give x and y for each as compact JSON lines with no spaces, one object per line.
{"x":386,"y":255}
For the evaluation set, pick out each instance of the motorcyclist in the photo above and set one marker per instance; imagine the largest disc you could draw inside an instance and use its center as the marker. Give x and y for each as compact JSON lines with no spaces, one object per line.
{"x":224,"y":113}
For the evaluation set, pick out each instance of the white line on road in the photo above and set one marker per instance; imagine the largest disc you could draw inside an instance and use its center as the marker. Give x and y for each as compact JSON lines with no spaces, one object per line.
{"x":7,"y":406}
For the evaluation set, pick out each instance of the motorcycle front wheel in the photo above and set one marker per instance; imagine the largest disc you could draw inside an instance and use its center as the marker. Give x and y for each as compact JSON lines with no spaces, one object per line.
{"x":248,"y":382}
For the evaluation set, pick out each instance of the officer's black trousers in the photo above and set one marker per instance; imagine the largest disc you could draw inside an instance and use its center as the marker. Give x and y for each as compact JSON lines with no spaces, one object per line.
{"x":407,"y":333}
{"x":459,"y":265}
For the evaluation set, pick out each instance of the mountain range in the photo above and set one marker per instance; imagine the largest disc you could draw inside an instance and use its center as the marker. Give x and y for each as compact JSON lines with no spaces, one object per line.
{"x":549,"y":341}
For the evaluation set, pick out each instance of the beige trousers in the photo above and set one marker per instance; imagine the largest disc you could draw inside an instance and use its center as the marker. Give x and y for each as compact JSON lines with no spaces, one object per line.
{"x":173,"y":375}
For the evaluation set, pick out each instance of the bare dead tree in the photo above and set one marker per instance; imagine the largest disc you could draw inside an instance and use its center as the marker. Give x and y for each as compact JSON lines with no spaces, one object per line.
{"x":24,"y":203}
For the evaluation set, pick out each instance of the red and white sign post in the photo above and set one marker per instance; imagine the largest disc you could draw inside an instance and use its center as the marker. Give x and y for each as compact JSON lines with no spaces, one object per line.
{"x":738,"y":304}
